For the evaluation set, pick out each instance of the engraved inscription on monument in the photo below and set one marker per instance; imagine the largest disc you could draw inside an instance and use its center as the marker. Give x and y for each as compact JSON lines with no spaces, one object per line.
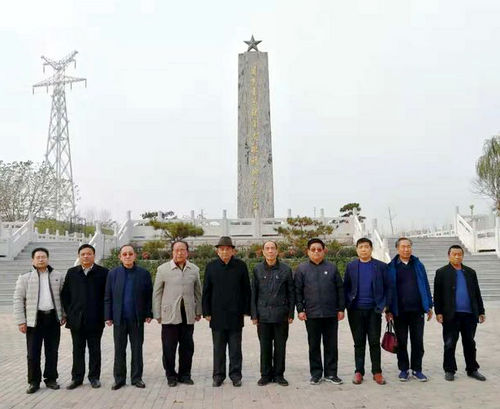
{"x":255,"y":161}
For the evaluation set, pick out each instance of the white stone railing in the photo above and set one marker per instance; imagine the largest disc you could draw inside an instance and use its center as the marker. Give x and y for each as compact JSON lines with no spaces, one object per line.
{"x":380,"y":245}
{"x":47,"y":236}
{"x":475,"y":240}
{"x":465,"y":233}
{"x":15,"y":237}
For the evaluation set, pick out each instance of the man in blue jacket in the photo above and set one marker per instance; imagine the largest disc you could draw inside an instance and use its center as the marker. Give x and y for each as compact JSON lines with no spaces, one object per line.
{"x":127,"y":305}
{"x":411,"y":299}
{"x":367,"y":294}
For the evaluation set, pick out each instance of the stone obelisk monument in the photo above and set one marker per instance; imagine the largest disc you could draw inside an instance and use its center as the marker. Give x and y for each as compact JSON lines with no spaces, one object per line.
{"x":255,"y":159}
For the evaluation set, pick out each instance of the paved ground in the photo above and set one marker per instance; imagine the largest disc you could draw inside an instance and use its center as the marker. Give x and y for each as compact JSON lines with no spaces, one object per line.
{"x":437,"y":393}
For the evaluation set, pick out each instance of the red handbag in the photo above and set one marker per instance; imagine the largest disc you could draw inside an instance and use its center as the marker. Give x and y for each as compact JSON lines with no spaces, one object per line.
{"x":389,"y":340}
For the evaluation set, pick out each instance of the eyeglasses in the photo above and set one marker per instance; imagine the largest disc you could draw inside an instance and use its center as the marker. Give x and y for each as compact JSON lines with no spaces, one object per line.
{"x":316,"y":250}
{"x":127,"y":254}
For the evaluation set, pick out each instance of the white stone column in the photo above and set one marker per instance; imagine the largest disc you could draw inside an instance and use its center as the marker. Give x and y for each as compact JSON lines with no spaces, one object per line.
{"x":497,"y":234}
{"x":474,"y":237}
{"x":225,"y":223}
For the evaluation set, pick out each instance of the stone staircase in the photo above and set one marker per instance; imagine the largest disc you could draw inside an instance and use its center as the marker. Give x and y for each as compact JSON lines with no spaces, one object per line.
{"x":433,"y":252}
{"x":62,"y":257}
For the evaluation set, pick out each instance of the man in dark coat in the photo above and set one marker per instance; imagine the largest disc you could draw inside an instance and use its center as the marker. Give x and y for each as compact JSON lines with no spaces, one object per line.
{"x":83,"y":300}
{"x":127,"y":305}
{"x":367,"y":294}
{"x":225,"y":300}
{"x":320,"y":303}
{"x":459,"y":307}
{"x":273,"y":303}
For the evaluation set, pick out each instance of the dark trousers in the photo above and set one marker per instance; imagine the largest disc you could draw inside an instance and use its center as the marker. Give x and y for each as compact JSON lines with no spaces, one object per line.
{"x":134,"y":331}
{"x":92,"y":339}
{"x":412,"y":321}
{"x":365,"y":324}
{"x":48,"y":332}
{"x":463,"y":324}
{"x":327,"y":329}
{"x":171,"y":336}
{"x":223,"y":339}
{"x":272,"y":335}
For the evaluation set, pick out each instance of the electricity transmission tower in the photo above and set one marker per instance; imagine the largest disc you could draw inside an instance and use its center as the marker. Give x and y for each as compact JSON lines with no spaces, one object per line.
{"x":58,"y":153}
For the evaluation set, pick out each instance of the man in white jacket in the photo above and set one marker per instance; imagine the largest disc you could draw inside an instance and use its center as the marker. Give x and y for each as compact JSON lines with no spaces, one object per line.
{"x":39,"y":315}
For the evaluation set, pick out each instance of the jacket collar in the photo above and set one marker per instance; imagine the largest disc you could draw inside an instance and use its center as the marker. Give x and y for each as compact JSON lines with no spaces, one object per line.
{"x":49,"y":269}
{"x":174,"y":266}
{"x":275,"y":266}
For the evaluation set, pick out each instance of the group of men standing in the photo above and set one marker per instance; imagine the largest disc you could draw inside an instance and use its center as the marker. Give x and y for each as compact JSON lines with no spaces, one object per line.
{"x":89,"y":296}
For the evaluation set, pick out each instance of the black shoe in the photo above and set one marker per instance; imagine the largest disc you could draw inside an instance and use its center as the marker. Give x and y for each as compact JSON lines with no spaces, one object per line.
{"x":281,"y":381}
{"x":186,"y":381}
{"x":449,"y":376}
{"x":117,"y":385}
{"x":237,"y":382}
{"x":217,"y":382}
{"x":95,"y":383}
{"x":314,"y":380}
{"x":74,"y":385}
{"x":333,"y":379}
{"x":33,"y":387}
{"x":52,"y":385}
{"x":172,"y":382}
{"x":477,"y":375}
{"x":263,"y":381}
{"x":139,"y":384}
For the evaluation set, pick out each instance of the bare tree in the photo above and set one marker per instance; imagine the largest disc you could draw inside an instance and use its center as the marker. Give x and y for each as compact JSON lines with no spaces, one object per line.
{"x":26,"y":187}
{"x":487,"y":182}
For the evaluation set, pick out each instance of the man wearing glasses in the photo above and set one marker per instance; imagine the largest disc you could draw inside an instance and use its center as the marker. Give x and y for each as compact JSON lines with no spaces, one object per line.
{"x":177,"y":305}
{"x":226,"y":299}
{"x":320,"y":303}
{"x":39,"y":314}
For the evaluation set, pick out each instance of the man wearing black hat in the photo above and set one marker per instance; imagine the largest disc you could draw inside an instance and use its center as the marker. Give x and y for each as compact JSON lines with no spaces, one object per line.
{"x":226,"y":299}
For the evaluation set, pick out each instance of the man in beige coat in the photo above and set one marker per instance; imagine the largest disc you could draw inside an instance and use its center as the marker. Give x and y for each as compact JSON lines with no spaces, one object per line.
{"x":177,"y":305}
{"x":39,"y":315}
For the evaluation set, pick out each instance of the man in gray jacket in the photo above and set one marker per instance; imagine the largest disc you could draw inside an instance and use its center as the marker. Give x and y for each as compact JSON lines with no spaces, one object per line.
{"x":177,"y":305}
{"x":39,"y":315}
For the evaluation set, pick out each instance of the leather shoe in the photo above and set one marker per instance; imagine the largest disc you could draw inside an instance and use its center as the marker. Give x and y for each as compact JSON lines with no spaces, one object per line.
{"x":186,"y":381}
{"x":95,"y":383}
{"x":237,"y":383}
{"x":117,"y":385}
{"x":139,"y":384}
{"x":263,"y":381}
{"x":477,"y":375}
{"x":449,"y":376}
{"x":52,"y":385}
{"x":217,"y":382}
{"x":73,"y":385}
{"x":33,"y":387}
{"x":172,"y":382}
{"x":281,"y":381}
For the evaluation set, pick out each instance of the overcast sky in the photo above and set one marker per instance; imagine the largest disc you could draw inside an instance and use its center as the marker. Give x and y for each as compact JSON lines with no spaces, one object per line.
{"x":386,"y":103}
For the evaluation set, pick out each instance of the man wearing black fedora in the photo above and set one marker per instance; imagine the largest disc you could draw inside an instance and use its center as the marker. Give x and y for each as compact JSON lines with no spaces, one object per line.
{"x":226,"y":299}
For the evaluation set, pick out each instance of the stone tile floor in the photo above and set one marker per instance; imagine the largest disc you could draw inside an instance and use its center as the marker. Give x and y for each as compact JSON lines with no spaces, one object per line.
{"x":437,"y":393}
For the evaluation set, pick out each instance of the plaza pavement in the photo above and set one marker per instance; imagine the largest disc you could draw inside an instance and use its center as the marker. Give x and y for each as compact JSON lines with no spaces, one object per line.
{"x":437,"y":393}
